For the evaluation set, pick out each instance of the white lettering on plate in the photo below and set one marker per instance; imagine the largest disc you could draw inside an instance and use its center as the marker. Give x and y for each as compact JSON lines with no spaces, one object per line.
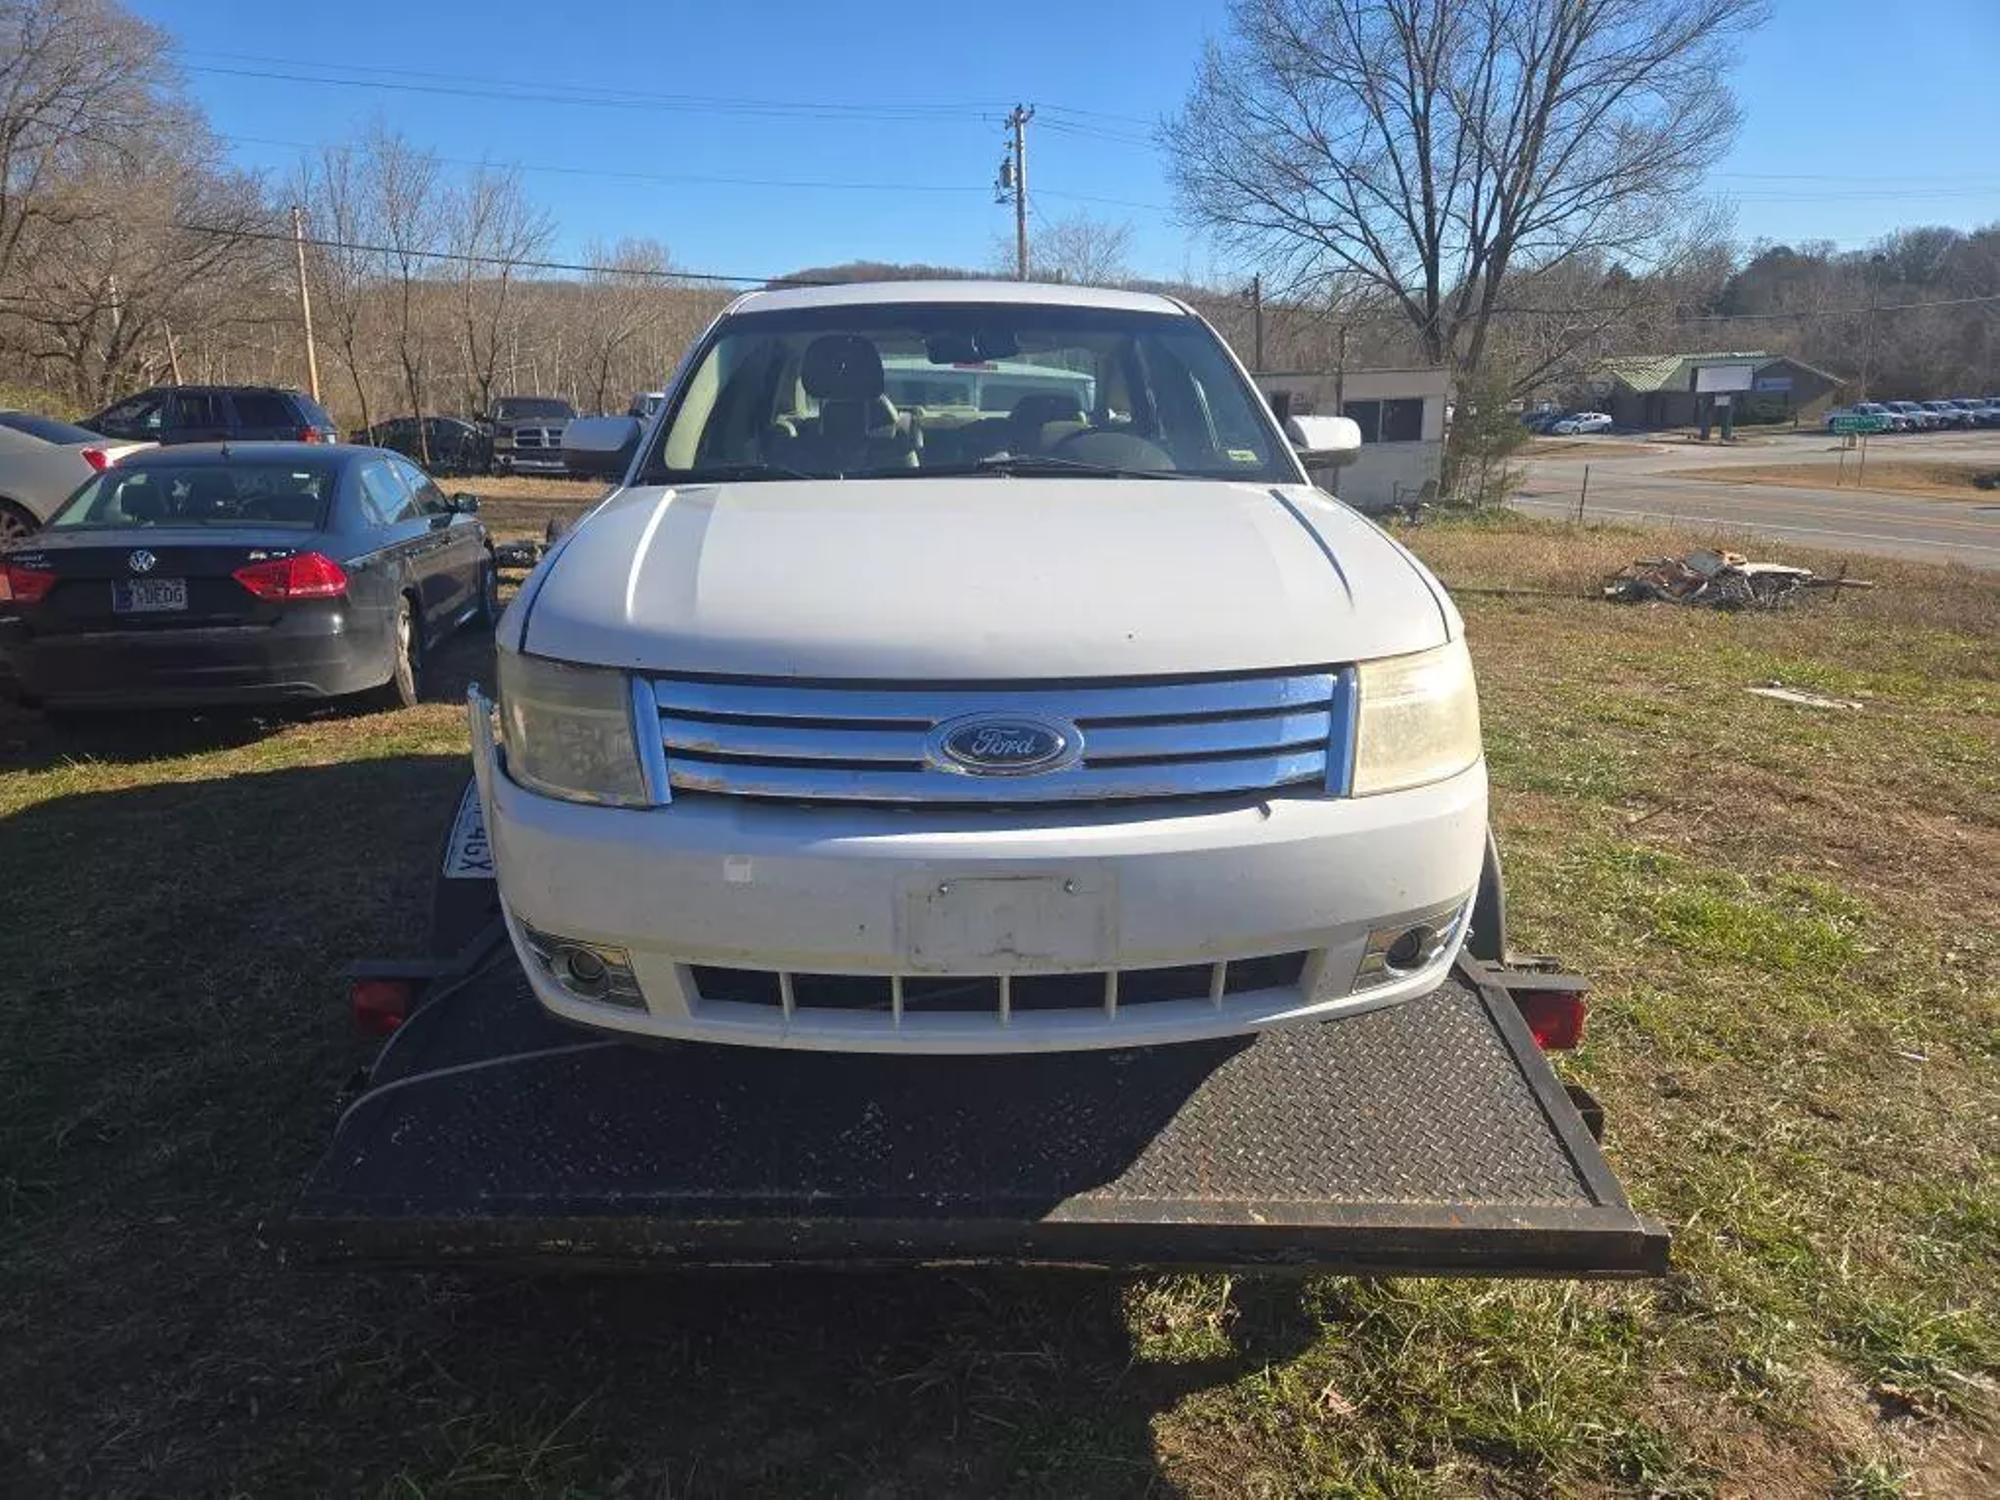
{"x":467,"y":854}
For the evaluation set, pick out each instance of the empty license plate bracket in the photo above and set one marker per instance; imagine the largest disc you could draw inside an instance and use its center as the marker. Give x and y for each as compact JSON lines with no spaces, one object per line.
{"x":1000,"y":924}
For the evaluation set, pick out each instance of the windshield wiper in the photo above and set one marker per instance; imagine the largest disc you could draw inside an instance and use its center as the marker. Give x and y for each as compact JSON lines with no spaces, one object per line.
{"x":1049,"y":463}
{"x":748,"y":469}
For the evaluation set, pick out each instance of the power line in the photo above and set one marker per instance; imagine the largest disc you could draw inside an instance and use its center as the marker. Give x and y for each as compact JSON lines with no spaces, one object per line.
{"x":459,"y":257}
{"x":587,"y":93}
{"x":677,"y":178}
{"x":770,"y":109}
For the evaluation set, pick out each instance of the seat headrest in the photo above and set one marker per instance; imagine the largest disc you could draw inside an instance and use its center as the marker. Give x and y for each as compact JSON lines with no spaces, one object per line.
{"x":1047,"y":406}
{"x":842,"y":367}
{"x":140,"y":501}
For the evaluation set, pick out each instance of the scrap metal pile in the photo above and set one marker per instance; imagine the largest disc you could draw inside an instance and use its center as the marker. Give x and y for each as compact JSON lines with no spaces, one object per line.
{"x":1717,"y":580}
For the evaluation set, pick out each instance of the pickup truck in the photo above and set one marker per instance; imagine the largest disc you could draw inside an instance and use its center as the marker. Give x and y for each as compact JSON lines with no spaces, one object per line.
{"x":527,"y":433}
{"x":859,"y":723}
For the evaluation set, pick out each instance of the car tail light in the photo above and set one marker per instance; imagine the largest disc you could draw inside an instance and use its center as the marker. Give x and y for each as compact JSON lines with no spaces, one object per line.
{"x":1555,"y":1016}
{"x":25,"y":585}
{"x":304,"y":575}
{"x":318,"y":435}
{"x":97,"y":458}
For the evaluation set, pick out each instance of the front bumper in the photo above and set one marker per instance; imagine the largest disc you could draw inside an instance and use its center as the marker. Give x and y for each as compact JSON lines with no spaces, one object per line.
{"x":310,"y":653}
{"x":802,"y":891}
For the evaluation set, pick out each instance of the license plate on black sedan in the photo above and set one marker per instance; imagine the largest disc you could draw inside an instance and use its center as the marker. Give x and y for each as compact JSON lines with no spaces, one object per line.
{"x":148,"y":596}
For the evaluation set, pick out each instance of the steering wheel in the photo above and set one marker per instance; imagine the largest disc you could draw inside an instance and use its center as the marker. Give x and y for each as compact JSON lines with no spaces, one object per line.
{"x":1115,"y":450}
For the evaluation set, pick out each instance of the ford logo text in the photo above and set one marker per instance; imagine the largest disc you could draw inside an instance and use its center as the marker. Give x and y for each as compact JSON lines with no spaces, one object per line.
{"x":1004,"y":745}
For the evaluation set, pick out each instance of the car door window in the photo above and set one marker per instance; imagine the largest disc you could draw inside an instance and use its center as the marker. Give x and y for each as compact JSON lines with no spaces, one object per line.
{"x":141,"y":416}
{"x":430,"y":499}
{"x":196,"y":409}
{"x":385,"y":499}
{"x":263,"y":410}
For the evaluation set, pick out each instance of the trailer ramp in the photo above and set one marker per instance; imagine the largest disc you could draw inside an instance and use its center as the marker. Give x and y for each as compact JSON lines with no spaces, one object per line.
{"x":1430,"y":1137}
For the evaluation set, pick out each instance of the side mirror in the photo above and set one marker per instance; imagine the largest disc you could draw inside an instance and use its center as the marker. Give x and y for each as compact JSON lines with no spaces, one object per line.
{"x":464,"y":504}
{"x":600,"y":446}
{"x":1324,"y":442}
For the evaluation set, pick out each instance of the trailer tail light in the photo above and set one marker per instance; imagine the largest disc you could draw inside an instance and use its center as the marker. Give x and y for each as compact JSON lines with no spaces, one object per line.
{"x":97,"y":458}
{"x":304,"y":575}
{"x":381,"y":1005}
{"x":25,"y":585}
{"x":1555,"y":1016}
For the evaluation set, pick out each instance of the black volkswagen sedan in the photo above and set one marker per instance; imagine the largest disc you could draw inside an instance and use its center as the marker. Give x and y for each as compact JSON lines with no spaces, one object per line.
{"x":245,"y":573}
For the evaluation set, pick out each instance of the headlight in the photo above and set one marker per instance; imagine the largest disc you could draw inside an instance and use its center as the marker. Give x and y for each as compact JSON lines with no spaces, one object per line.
{"x":568,"y":730}
{"x":1419,"y":719}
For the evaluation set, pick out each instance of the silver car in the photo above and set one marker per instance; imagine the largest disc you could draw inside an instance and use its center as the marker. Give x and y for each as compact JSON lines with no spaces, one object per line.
{"x":42,"y":463}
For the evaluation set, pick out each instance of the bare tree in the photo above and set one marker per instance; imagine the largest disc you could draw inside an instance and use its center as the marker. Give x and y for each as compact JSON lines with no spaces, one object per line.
{"x":402,"y":182}
{"x":1426,"y":149}
{"x":78,"y":78}
{"x":625,"y":294}
{"x":493,"y":227}
{"x":341,"y":264}
{"x":1082,"y":249}
{"x":127,"y":240}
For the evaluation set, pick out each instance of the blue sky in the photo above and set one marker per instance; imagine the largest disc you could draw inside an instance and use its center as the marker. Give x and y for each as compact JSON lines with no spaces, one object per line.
{"x":1860,"y":117}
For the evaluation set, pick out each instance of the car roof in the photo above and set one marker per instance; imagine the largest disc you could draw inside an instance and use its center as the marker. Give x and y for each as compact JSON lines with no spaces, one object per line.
{"x":222,"y":453}
{"x":1021,"y":293}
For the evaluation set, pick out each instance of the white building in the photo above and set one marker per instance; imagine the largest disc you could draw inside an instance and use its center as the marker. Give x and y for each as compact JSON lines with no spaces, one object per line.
{"x":1401,"y":414}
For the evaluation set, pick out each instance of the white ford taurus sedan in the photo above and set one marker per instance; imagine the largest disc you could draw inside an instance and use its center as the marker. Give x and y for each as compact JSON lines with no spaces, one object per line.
{"x":880,"y":708}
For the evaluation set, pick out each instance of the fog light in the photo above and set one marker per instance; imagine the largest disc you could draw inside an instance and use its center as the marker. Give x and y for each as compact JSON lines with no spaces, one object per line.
{"x":580,"y":969}
{"x":586,"y":971}
{"x":1408,"y":951}
{"x":1410,"y":947}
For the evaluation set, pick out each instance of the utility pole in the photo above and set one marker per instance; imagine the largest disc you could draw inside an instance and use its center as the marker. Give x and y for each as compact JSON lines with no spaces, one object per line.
{"x":1257,"y":320}
{"x":305,"y":300}
{"x":1340,"y":376}
{"x":1014,"y":180}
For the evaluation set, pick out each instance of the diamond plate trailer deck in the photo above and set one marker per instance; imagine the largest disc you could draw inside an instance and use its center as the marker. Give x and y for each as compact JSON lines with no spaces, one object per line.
{"x":1430,"y":1137}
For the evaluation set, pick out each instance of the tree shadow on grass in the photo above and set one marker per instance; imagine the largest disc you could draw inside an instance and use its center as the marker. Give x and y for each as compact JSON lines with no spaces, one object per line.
{"x":172,"y":1048}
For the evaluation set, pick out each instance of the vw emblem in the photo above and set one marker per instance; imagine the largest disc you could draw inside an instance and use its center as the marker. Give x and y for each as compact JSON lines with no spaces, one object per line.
{"x":1003,"y":745}
{"x":142,"y":561}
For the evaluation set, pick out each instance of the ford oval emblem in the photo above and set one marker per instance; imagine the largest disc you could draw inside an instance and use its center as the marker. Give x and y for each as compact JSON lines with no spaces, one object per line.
{"x":1004,"y":745}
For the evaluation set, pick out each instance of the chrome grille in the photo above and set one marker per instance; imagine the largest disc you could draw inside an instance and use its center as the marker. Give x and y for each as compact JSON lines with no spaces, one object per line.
{"x":1142,"y":738}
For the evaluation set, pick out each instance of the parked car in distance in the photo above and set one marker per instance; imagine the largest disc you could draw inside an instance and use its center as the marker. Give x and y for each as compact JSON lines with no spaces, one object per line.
{"x":42,"y":461}
{"x":216,"y":414}
{"x":1541,"y":421}
{"x":1949,"y":414}
{"x":442,"y":445}
{"x":1917,"y":417}
{"x":817,"y":735}
{"x":1580,"y":422}
{"x":527,"y":433}
{"x":211,"y":574}
{"x":1978,"y":412}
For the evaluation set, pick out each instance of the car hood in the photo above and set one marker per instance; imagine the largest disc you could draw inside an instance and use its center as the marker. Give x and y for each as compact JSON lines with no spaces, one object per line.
{"x":983,"y":577}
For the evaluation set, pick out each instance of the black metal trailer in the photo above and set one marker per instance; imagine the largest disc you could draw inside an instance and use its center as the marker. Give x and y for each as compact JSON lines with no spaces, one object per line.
{"x":1431,"y":1137}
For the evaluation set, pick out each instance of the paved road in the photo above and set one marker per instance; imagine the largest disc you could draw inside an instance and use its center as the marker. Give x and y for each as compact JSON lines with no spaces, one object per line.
{"x":1633,"y":488}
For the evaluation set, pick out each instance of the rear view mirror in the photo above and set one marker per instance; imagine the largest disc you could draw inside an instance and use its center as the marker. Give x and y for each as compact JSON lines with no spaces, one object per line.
{"x":1322,"y":442}
{"x":600,"y":446}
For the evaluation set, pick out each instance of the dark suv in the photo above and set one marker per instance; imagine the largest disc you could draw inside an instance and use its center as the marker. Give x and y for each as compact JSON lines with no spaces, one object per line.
{"x":216,"y":413}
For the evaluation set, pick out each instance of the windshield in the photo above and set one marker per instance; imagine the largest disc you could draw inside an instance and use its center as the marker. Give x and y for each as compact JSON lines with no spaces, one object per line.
{"x":510,"y":408}
{"x":913,"y":389}
{"x":211,"y":494}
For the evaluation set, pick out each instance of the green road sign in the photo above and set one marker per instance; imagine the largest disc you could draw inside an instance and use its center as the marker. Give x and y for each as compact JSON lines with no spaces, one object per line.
{"x":1861,"y":423}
